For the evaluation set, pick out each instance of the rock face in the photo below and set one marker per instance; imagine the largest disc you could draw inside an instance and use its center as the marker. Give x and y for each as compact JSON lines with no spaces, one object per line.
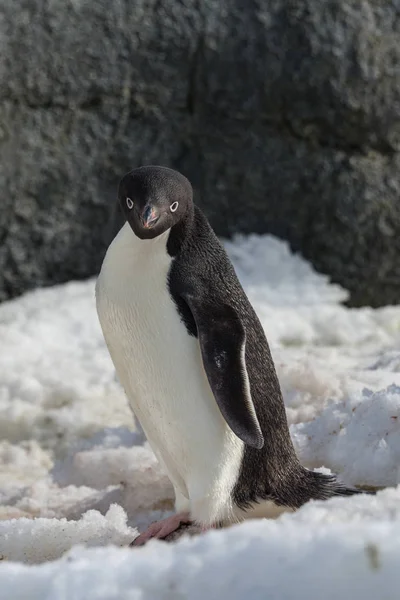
{"x":284,"y":115}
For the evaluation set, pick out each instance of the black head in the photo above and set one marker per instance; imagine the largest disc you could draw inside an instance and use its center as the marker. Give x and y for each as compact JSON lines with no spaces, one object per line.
{"x":154,"y":199}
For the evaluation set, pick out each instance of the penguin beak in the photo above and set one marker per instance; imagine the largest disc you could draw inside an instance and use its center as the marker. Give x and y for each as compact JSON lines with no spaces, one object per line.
{"x":149,"y":217}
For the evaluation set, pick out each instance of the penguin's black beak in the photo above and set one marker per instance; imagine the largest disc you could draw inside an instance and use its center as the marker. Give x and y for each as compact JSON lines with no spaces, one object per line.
{"x":149,"y":216}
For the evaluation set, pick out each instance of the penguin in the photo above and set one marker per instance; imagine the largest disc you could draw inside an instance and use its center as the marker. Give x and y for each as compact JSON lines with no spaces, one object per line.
{"x":195,"y":364}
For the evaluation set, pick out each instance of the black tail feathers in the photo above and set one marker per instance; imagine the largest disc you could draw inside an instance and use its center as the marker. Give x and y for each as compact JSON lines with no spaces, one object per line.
{"x":321,"y":487}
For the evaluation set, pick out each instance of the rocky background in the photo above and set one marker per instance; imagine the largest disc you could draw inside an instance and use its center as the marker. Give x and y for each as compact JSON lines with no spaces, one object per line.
{"x":284,"y":114}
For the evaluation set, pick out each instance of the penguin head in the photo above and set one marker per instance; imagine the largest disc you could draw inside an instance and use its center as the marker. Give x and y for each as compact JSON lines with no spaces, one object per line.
{"x":154,"y":199}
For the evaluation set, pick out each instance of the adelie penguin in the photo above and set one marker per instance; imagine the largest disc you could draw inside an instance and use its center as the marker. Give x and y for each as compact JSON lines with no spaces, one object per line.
{"x":195,"y":364}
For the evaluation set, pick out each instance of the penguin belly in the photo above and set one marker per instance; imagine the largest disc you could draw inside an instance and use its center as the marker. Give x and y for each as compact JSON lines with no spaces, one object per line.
{"x":160,"y":368}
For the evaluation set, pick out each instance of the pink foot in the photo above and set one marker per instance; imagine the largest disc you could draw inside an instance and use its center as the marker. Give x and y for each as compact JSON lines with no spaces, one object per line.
{"x":161,"y":529}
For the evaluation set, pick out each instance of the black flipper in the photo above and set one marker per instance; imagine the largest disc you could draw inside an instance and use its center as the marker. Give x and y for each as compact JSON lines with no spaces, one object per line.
{"x":222,"y":339}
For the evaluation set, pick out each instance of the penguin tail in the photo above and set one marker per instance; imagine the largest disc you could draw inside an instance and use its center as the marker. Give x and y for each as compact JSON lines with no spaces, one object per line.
{"x":321,"y":487}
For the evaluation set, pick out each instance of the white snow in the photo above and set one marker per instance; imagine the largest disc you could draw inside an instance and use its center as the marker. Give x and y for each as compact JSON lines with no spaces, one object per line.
{"x":53,"y":537}
{"x":359,"y":436}
{"x":320,"y":552}
{"x":75,"y":469}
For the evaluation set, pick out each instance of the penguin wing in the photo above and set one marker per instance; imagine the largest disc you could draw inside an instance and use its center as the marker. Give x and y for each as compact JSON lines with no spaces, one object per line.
{"x":222,"y":339}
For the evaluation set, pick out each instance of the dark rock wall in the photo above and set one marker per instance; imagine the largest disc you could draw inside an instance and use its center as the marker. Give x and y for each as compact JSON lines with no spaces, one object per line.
{"x":284,"y":114}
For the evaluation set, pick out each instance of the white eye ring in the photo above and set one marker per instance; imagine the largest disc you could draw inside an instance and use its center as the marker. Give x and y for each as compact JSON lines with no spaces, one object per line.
{"x":129,"y":203}
{"x":174,"y":206}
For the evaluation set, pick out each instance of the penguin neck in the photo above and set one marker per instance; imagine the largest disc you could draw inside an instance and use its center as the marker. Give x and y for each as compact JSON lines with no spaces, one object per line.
{"x":181,"y":232}
{"x":131,"y":262}
{"x":128,"y":248}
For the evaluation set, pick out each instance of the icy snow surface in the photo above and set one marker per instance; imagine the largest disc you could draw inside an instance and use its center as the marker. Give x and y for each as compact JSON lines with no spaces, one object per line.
{"x":76,"y":470}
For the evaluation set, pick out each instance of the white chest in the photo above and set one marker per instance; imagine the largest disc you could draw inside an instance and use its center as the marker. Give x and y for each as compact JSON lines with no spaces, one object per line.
{"x":158,"y":363}
{"x":141,"y":325}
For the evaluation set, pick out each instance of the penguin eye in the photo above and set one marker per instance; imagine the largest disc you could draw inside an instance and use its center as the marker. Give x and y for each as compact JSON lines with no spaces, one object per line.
{"x":174,"y":206}
{"x":129,"y":203}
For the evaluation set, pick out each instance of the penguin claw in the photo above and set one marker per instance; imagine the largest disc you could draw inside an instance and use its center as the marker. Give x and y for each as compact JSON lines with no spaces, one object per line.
{"x":161,"y":529}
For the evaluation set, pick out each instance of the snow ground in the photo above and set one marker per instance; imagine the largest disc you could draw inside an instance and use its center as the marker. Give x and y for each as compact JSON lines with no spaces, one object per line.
{"x":74,"y":468}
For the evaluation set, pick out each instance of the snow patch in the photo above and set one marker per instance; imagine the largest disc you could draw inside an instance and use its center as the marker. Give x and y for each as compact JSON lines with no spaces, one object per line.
{"x":39,"y":540}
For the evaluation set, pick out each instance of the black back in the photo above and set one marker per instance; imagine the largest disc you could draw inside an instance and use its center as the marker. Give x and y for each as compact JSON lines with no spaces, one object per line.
{"x":202,"y":270}
{"x":200,"y":256}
